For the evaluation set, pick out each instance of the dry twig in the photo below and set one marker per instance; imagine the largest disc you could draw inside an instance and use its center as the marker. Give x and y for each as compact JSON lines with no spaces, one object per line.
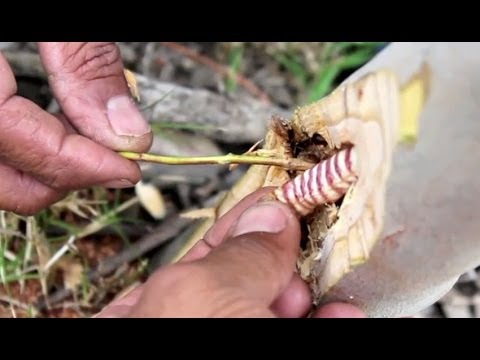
{"x":169,"y":228}
{"x":218,"y":68}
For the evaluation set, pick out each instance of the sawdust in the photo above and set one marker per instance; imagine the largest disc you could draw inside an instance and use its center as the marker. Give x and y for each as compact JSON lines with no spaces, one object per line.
{"x":317,"y":224}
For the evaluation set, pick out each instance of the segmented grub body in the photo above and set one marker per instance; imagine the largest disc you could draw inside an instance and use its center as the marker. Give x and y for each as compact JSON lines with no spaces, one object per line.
{"x":324,"y":183}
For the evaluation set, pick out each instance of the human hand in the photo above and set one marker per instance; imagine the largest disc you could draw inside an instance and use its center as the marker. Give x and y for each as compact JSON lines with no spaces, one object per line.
{"x":43,"y":156}
{"x":244,"y":267}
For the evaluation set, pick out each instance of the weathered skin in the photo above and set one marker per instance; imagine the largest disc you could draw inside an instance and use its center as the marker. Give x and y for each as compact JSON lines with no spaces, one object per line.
{"x":431,"y":228}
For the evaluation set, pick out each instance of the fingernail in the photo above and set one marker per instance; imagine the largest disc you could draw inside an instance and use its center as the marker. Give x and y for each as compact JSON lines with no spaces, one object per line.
{"x":125,"y":118}
{"x":118,"y":184}
{"x":265,"y":217}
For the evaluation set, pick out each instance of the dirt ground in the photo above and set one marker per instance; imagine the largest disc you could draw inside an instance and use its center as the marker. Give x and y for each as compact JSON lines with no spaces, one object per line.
{"x":108,"y":228}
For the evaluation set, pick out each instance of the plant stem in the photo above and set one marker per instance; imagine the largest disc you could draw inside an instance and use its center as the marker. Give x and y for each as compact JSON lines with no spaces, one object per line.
{"x":290,"y":164}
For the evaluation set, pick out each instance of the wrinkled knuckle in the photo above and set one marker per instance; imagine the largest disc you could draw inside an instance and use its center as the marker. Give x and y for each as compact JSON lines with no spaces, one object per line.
{"x":92,"y":61}
{"x":58,"y":178}
{"x":11,"y":121}
{"x":53,"y":170}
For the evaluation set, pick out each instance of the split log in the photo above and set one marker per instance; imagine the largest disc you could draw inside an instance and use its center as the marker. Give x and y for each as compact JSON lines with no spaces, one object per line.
{"x":430,"y":237}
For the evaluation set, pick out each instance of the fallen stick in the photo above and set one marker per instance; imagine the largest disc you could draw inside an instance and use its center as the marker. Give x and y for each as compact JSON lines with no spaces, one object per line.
{"x":219,"y":68}
{"x":236,"y":120}
{"x":169,"y":228}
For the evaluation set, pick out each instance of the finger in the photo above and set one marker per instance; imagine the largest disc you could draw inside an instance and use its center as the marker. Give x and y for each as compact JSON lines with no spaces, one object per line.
{"x":69,"y":129}
{"x":89,"y":84}
{"x":339,"y":310}
{"x":217,"y":233}
{"x":295,"y":301}
{"x":36,"y":143}
{"x":258,"y":257}
{"x":24,"y":195}
{"x":188,"y":290}
{"x":122,"y":306}
{"x":240,"y":278}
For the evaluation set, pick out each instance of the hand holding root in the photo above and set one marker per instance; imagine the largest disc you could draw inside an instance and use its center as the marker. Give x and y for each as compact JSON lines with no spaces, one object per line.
{"x":46,"y":156}
{"x":243,"y":267}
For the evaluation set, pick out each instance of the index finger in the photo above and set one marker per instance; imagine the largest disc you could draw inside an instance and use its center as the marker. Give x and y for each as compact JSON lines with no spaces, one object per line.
{"x":36,"y":142}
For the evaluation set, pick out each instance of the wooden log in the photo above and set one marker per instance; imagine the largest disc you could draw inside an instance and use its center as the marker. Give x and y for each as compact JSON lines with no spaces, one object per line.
{"x":431,"y":232}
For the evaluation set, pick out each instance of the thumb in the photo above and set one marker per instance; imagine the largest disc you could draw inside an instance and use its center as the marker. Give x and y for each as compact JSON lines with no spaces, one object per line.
{"x":89,"y":84}
{"x":257,"y":258}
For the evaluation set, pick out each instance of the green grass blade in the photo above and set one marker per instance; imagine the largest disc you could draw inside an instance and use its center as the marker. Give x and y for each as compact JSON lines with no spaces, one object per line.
{"x":236,"y":58}
{"x":157,"y":127}
{"x":355,"y":59}
{"x":323,"y":84}
{"x":146,"y":107}
{"x":293,"y":65}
